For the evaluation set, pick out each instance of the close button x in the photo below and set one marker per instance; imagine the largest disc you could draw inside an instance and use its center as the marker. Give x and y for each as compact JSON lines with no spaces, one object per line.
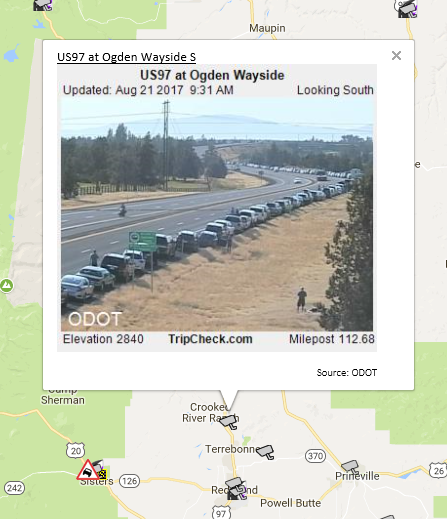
{"x":396,"y":55}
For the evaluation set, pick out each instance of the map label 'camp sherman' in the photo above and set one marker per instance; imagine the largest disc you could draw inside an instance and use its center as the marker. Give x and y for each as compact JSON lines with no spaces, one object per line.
{"x":267,"y":28}
{"x":48,"y":400}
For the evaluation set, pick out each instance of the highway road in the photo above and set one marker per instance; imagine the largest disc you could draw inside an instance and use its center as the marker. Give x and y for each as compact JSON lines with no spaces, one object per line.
{"x":100,"y":228}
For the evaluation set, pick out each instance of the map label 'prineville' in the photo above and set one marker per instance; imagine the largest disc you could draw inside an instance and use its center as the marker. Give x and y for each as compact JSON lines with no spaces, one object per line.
{"x":368,"y":476}
{"x":267,"y":28}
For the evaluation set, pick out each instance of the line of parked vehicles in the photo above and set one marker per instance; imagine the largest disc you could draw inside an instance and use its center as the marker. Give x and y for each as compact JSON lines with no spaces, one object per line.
{"x":124,"y":267}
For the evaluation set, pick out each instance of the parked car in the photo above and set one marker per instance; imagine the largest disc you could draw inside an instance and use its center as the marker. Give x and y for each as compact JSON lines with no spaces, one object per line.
{"x":275,"y":208}
{"x":187,"y":241}
{"x":266,"y":209}
{"x":251,"y":215}
{"x":118,"y":265}
{"x":236,"y":222}
{"x":64,"y":297}
{"x":99,"y":277}
{"x":304,"y":197}
{"x":317,"y":195}
{"x":208,"y":239}
{"x":295,"y":201}
{"x":77,"y":287}
{"x":297,"y":180}
{"x":307,"y":194}
{"x":166,"y":246}
{"x":328,"y":191}
{"x":228,"y":226}
{"x":136,"y":258}
{"x":286,"y":205}
{"x":261,"y":212}
{"x":246,"y":221}
{"x":219,"y":229}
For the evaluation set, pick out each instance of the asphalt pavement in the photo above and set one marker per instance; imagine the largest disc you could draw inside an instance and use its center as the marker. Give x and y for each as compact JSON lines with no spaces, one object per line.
{"x":100,"y":228}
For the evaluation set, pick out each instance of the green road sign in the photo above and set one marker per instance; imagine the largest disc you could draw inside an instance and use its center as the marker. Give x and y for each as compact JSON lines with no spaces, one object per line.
{"x":143,"y":247}
{"x":6,"y":285}
{"x":143,"y":237}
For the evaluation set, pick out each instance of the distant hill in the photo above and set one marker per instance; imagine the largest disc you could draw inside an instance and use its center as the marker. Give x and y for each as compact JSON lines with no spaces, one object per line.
{"x":221,"y":127}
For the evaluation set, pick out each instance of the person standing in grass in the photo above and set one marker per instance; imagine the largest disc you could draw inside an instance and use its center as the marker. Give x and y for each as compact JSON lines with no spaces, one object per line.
{"x":302,"y":294}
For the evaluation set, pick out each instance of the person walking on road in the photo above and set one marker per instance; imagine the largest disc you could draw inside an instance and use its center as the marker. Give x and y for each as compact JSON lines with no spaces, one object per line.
{"x":302,"y":294}
{"x":94,"y":259}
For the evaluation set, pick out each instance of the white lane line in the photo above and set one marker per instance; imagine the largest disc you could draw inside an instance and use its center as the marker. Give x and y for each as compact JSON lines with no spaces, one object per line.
{"x":86,"y":250}
{"x":180,"y":223}
{"x":152,"y":213}
{"x":90,"y":216}
{"x":197,"y":218}
{"x":161,"y":229}
{"x":63,"y":221}
{"x":212,"y":214}
{"x":113,"y":242}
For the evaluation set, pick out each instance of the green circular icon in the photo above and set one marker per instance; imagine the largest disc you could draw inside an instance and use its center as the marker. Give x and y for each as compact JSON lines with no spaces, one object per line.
{"x":6,"y":285}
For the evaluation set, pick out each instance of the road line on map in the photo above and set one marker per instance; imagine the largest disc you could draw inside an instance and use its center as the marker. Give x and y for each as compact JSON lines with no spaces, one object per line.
{"x":51,"y":26}
{"x":252,"y":12}
{"x":303,"y":420}
{"x":399,"y":492}
{"x":434,"y":167}
{"x":410,"y":35}
{"x":330,"y":490}
{"x":419,"y":467}
{"x":50,"y":472}
{"x":122,"y":17}
{"x":122,"y":504}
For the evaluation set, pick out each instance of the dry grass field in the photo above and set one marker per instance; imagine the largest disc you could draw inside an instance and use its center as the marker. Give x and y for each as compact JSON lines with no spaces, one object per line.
{"x":110,"y":198}
{"x":237,"y":180}
{"x":233,"y":180}
{"x":252,"y":288}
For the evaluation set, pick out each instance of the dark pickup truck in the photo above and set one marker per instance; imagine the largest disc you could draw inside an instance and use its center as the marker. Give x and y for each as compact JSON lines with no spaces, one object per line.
{"x":166,"y":246}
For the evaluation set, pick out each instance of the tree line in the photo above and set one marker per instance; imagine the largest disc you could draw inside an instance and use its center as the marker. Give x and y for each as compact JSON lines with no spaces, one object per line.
{"x":124,"y":159}
{"x":351,"y":285}
{"x":350,"y":152}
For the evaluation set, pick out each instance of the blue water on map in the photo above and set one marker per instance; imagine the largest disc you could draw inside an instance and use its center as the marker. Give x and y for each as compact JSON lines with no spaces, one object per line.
{"x":405,"y":476}
{"x":39,"y":25}
{"x":200,"y":454}
{"x":11,"y":55}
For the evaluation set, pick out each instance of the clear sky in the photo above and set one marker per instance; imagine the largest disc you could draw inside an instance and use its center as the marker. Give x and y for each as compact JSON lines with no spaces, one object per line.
{"x":310,"y":111}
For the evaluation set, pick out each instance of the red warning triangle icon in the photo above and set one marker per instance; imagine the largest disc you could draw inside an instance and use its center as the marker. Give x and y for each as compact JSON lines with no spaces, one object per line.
{"x":87,"y":473}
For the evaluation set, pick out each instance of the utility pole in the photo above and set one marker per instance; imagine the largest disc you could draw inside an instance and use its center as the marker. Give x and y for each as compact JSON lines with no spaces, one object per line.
{"x":165,"y":143}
